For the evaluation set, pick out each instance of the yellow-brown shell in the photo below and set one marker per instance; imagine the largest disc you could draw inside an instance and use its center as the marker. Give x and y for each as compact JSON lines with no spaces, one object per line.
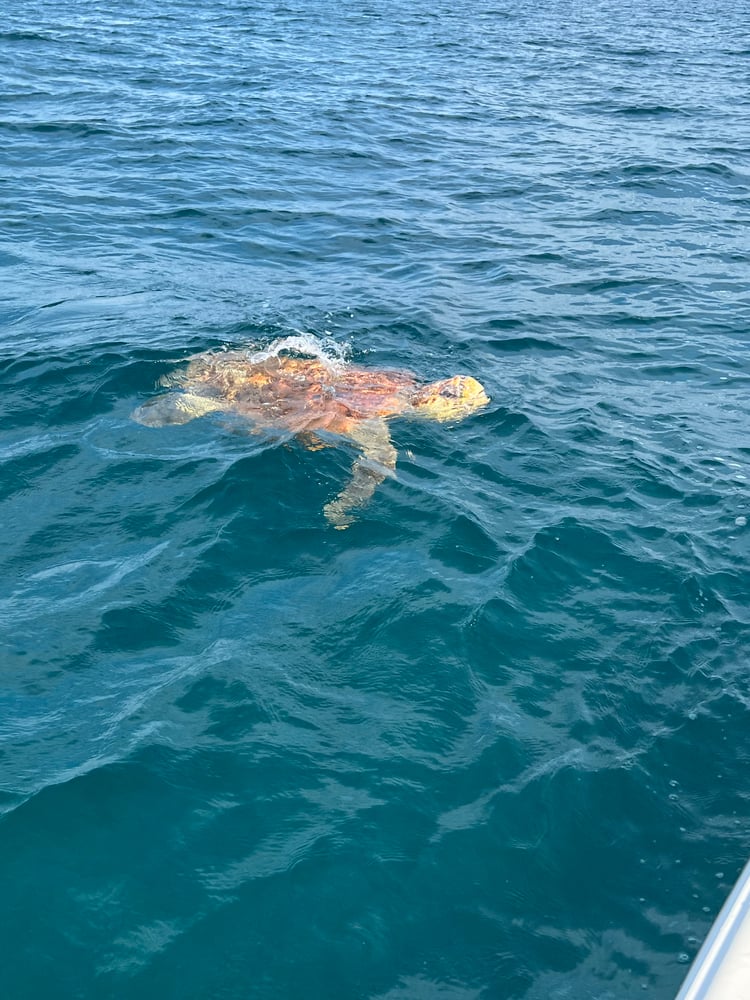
{"x":298,"y":393}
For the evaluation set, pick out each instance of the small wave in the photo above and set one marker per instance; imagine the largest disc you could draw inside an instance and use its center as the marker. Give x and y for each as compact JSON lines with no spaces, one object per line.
{"x":76,"y":129}
{"x":71,"y":585}
{"x":512,"y":344}
{"x":25,"y":36}
{"x":649,"y":111}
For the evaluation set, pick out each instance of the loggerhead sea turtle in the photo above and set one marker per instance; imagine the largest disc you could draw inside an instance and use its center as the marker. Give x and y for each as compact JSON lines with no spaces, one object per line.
{"x":307,"y":395}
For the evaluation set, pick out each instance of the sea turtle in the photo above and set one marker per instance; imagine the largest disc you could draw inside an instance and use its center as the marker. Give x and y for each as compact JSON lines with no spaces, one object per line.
{"x":305,"y":396}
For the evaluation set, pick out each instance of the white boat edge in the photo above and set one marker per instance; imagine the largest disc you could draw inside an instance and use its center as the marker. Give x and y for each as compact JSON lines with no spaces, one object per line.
{"x":721,"y":969}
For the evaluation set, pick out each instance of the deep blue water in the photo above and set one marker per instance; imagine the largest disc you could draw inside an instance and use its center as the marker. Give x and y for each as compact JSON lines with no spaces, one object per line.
{"x":491,"y":741}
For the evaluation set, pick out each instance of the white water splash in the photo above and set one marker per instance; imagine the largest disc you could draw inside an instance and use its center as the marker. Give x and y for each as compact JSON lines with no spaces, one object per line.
{"x":332,"y":354}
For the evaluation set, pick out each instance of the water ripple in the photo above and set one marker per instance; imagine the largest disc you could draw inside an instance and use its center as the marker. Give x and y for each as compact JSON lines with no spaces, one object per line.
{"x":490,"y":740}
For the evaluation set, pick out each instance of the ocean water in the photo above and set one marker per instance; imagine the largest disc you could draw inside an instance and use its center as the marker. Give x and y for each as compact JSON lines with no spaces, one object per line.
{"x":490,"y":741}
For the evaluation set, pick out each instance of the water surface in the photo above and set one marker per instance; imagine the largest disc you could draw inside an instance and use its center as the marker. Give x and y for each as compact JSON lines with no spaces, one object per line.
{"x":491,"y":741}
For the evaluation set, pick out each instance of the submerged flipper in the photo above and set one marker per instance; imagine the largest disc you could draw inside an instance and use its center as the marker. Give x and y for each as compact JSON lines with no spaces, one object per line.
{"x":174,"y":408}
{"x":311,"y":441}
{"x":377,"y":461}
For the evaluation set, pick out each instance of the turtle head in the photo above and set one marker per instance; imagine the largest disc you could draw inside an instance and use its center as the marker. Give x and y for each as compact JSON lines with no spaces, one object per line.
{"x":450,"y":398}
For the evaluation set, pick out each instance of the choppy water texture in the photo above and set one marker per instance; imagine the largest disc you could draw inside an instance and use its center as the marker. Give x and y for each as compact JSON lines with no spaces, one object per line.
{"x":491,"y":741}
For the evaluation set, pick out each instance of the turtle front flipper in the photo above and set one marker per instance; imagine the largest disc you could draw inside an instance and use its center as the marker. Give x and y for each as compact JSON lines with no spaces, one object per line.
{"x":377,"y":461}
{"x":174,"y":408}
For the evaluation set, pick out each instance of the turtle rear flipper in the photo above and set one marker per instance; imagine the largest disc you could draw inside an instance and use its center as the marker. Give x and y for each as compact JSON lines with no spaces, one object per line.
{"x":174,"y":408}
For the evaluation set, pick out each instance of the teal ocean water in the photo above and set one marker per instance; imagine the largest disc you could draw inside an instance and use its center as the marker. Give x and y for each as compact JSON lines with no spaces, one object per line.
{"x":492,"y":740}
